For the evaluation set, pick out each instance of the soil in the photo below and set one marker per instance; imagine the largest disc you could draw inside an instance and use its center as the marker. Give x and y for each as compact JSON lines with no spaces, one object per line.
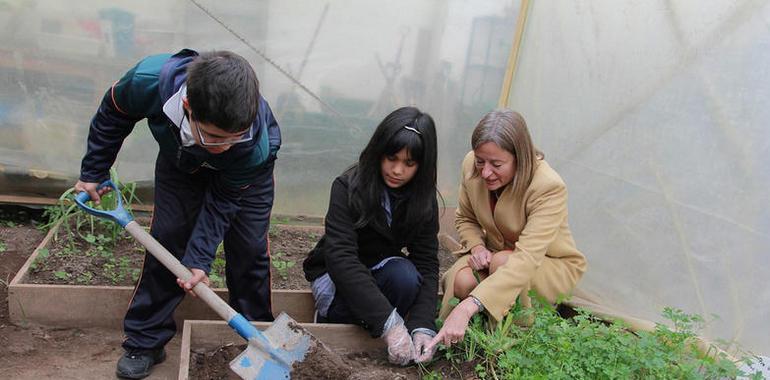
{"x":18,"y":238}
{"x":71,"y":260}
{"x":30,"y":352}
{"x":214,"y":364}
{"x":289,"y":245}
{"x":37,"y":352}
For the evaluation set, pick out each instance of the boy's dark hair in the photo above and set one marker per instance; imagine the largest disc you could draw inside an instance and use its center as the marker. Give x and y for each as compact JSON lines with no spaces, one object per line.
{"x":396,"y":132}
{"x":222,"y":89}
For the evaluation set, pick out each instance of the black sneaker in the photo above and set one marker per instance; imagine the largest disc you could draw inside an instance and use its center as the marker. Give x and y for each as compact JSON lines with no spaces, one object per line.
{"x":136,"y":363}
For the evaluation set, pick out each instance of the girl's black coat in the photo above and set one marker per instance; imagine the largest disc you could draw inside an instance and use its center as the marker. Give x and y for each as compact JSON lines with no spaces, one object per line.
{"x":347,"y":253}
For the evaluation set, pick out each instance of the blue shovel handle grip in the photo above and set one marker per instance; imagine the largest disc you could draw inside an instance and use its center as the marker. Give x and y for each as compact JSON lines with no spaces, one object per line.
{"x":118,"y":215}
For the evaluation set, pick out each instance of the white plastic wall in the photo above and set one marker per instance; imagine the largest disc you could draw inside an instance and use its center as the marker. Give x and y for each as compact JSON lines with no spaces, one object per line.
{"x":355,"y":60}
{"x":655,"y":113}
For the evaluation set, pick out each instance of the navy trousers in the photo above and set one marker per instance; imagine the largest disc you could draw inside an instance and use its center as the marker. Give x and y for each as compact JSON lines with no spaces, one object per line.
{"x":398,"y":280}
{"x":149,"y":322}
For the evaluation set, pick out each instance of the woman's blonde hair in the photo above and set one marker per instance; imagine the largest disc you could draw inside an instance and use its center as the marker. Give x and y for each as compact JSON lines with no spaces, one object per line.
{"x":508,"y":130}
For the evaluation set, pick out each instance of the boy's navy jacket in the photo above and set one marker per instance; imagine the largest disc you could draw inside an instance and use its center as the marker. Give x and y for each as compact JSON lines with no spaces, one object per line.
{"x":347,"y":253}
{"x":140,"y":94}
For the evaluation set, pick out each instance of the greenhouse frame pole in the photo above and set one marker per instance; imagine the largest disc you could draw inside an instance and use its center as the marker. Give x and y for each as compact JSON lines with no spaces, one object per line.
{"x":513,"y":57}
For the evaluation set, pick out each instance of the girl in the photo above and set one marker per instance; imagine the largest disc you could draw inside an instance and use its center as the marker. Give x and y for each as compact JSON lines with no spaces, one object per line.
{"x":512,"y":222}
{"x":377,"y":263}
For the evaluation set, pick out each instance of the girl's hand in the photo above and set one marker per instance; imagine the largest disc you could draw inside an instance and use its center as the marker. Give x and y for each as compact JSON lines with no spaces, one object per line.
{"x":421,"y":352}
{"x":480,"y":258}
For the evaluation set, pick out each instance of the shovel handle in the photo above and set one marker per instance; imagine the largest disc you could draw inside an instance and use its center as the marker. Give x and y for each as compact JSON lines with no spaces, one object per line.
{"x":122,"y":217}
{"x":172,"y":263}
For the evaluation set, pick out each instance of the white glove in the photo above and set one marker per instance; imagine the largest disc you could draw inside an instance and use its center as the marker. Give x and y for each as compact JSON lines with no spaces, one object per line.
{"x":400,"y":347}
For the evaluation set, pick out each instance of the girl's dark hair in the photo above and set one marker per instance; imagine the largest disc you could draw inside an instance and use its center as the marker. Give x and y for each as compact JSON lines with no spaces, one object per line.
{"x":223,"y":90}
{"x":409,"y":128}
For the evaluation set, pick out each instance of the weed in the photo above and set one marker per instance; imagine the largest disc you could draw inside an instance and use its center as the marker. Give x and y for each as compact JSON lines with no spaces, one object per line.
{"x":216,"y":275}
{"x":61,"y":275}
{"x":587,"y":348}
{"x":3,"y":247}
{"x":280,"y":220}
{"x":426,"y":374}
{"x":39,"y":261}
{"x":83,"y":232}
{"x":280,"y":265}
{"x":66,"y":212}
{"x":110,"y":272}
{"x":84,"y":278}
{"x":135,"y":274}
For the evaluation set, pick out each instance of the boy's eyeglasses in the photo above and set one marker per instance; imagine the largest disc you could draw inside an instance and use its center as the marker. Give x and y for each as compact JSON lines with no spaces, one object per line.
{"x":219,"y":141}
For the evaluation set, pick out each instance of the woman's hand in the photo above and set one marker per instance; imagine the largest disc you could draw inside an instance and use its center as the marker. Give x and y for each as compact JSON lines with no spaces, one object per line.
{"x":198,"y":276}
{"x":455,"y":325}
{"x":480,"y":258}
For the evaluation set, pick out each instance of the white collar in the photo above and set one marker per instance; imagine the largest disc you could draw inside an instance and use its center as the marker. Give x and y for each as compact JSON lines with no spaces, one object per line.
{"x":174,"y":109}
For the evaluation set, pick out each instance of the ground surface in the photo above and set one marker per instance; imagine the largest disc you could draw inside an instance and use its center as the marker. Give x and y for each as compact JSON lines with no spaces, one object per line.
{"x":72,"y":260}
{"x":38,"y":352}
{"x":213,"y":364}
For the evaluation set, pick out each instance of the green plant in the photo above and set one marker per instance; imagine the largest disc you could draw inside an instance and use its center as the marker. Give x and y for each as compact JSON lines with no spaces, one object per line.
{"x":426,"y":374}
{"x":3,"y":247}
{"x":94,"y":236}
{"x":39,"y":261}
{"x":85,"y":278}
{"x":216,"y":275}
{"x":61,"y":275}
{"x":281,"y":266}
{"x":585,"y":347}
{"x":280,"y":220}
{"x":66,"y":213}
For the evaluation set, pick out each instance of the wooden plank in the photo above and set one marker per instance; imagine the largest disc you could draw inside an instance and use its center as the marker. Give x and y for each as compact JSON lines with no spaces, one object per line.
{"x":75,"y":305}
{"x":105,"y":306}
{"x":184,"y":359}
{"x":45,"y":201}
{"x":340,"y":338}
{"x":21,"y":275}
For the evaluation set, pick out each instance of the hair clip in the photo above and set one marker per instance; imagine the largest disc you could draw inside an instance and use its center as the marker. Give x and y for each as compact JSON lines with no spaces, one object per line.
{"x":412,"y":129}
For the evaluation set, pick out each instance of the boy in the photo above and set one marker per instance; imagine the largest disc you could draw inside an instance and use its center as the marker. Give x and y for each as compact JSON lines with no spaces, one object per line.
{"x":218,"y":140}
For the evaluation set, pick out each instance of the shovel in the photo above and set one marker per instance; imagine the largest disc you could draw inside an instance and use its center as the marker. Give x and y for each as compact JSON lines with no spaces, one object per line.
{"x":269,"y":355}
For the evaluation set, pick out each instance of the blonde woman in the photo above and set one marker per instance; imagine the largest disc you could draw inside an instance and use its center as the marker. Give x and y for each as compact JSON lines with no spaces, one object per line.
{"x":512,"y":222}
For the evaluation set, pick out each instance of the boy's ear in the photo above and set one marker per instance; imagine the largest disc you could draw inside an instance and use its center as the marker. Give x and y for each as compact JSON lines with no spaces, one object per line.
{"x":186,"y":104}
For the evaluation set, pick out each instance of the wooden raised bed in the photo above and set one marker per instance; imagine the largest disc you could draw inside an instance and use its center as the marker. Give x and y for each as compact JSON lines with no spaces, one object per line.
{"x":207,"y":335}
{"x":105,"y":306}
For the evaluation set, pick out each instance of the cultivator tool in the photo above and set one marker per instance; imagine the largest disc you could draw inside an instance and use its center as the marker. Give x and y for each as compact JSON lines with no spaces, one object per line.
{"x":269,"y":355}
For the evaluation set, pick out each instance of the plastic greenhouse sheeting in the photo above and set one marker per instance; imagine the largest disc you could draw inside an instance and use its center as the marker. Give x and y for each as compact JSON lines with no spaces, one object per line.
{"x":331,"y":70}
{"x":655,"y":114}
{"x":652,"y":111}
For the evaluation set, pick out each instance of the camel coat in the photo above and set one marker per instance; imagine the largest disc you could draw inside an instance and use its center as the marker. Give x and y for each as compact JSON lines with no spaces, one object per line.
{"x":535,"y":229}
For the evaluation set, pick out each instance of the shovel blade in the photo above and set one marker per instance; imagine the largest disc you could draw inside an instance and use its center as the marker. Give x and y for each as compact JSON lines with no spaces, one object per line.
{"x":288,"y":343}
